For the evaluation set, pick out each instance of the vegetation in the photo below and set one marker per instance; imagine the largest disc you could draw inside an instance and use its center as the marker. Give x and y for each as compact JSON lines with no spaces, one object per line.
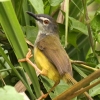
{"x":79,"y":33}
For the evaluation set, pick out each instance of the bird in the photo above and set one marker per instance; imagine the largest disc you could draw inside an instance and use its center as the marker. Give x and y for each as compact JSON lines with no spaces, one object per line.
{"x":50,"y":57}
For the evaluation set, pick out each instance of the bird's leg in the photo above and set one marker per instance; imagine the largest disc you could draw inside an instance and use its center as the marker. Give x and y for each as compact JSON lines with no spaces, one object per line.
{"x":27,"y":59}
{"x":43,"y":72}
{"x":43,"y":96}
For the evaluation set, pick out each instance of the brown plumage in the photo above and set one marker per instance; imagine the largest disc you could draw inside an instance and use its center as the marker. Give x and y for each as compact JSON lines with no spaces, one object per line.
{"x":51,"y":47}
{"x":49,"y":55}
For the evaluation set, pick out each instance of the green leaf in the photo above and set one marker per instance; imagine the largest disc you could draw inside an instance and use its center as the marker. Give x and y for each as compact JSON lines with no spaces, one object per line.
{"x":75,"y":8}
{"x":92,"y":59}
{"x":61,"y":87}
{"x":95,"y":90}
{"x":38,"y":6}
{"x":16,"y":38}
{"x":98,"y":66}
{"x":9,"y":93}
{"x":79,"y":71}
{"x":98,"y":1}
{"x":72,"y":38}
{"x":31,"y":32}
{"x":95,"y":23}
{"x":55,"y":2}
{"x":77,"y":26}
{"x":17,"y":4}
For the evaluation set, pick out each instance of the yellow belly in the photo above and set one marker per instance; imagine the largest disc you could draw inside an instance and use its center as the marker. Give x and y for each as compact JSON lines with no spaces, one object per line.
{"x":44,"y":65}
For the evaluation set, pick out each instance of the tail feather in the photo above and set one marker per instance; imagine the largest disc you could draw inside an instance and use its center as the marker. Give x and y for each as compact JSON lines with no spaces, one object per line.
{"x":69,"y":79}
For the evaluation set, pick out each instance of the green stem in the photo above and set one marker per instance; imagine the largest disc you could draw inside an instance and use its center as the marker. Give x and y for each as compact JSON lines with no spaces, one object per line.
{"x":66,"y":21}
{"x":3,"y":70}
{"x":88,"y":26}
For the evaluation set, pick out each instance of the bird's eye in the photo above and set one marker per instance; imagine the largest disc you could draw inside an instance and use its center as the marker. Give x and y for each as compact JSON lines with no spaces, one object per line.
{"x":46,"y":21}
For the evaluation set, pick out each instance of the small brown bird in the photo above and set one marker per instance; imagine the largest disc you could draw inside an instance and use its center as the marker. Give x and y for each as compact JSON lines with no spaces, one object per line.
{"x":50,"y":56}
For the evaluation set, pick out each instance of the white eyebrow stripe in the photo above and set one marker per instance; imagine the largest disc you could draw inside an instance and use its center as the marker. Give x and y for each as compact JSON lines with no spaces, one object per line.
{"x":44,"y":18}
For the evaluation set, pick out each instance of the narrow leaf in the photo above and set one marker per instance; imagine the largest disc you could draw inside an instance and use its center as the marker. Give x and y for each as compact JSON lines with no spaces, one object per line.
{"x":38,"y":6}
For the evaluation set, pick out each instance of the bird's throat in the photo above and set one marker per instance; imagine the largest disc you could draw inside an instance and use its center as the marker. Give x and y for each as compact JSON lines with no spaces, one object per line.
{"x":40,"y":36}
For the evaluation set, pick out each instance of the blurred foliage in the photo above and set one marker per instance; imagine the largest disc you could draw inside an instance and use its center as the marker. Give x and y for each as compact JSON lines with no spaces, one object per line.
{"x":10,"y":93}
{"x":78,"y":39}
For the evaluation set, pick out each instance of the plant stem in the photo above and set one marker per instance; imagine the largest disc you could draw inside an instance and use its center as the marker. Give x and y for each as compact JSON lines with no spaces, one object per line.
{"x":88,"y":26}
{"x":10,"y":69}
{"x":66,"y":21}
{"x":80,"y":85}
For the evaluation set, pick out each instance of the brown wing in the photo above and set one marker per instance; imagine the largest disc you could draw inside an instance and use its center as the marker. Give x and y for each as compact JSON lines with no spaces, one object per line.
{"x":53,"y":50}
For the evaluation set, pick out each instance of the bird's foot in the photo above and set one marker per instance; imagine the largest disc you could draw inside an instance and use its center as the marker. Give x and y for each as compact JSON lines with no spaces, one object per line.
{"x":28,"y":56}
{"x":27,"y":59}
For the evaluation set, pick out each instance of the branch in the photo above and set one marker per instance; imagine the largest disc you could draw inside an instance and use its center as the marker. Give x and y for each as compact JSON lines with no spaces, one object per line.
{"x":65,"y":95}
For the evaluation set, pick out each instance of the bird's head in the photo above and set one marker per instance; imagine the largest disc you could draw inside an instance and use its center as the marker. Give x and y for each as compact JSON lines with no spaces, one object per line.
{"x":45,"y":23}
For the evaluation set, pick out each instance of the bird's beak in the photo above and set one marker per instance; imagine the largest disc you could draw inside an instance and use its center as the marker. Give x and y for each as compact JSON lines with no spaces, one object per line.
{"x":33,"y":15}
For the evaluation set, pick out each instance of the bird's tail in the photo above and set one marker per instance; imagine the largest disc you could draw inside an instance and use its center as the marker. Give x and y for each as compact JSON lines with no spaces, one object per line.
{"x":71,"y":81}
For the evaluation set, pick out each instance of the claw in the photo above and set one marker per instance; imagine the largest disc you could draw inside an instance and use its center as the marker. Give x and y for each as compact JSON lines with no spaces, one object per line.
{"x":28,"y":55}
{"x":27,"y":59}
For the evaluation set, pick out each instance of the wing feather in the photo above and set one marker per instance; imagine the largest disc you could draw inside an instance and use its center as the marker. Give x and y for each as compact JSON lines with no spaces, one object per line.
{"x":53,"y":50}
